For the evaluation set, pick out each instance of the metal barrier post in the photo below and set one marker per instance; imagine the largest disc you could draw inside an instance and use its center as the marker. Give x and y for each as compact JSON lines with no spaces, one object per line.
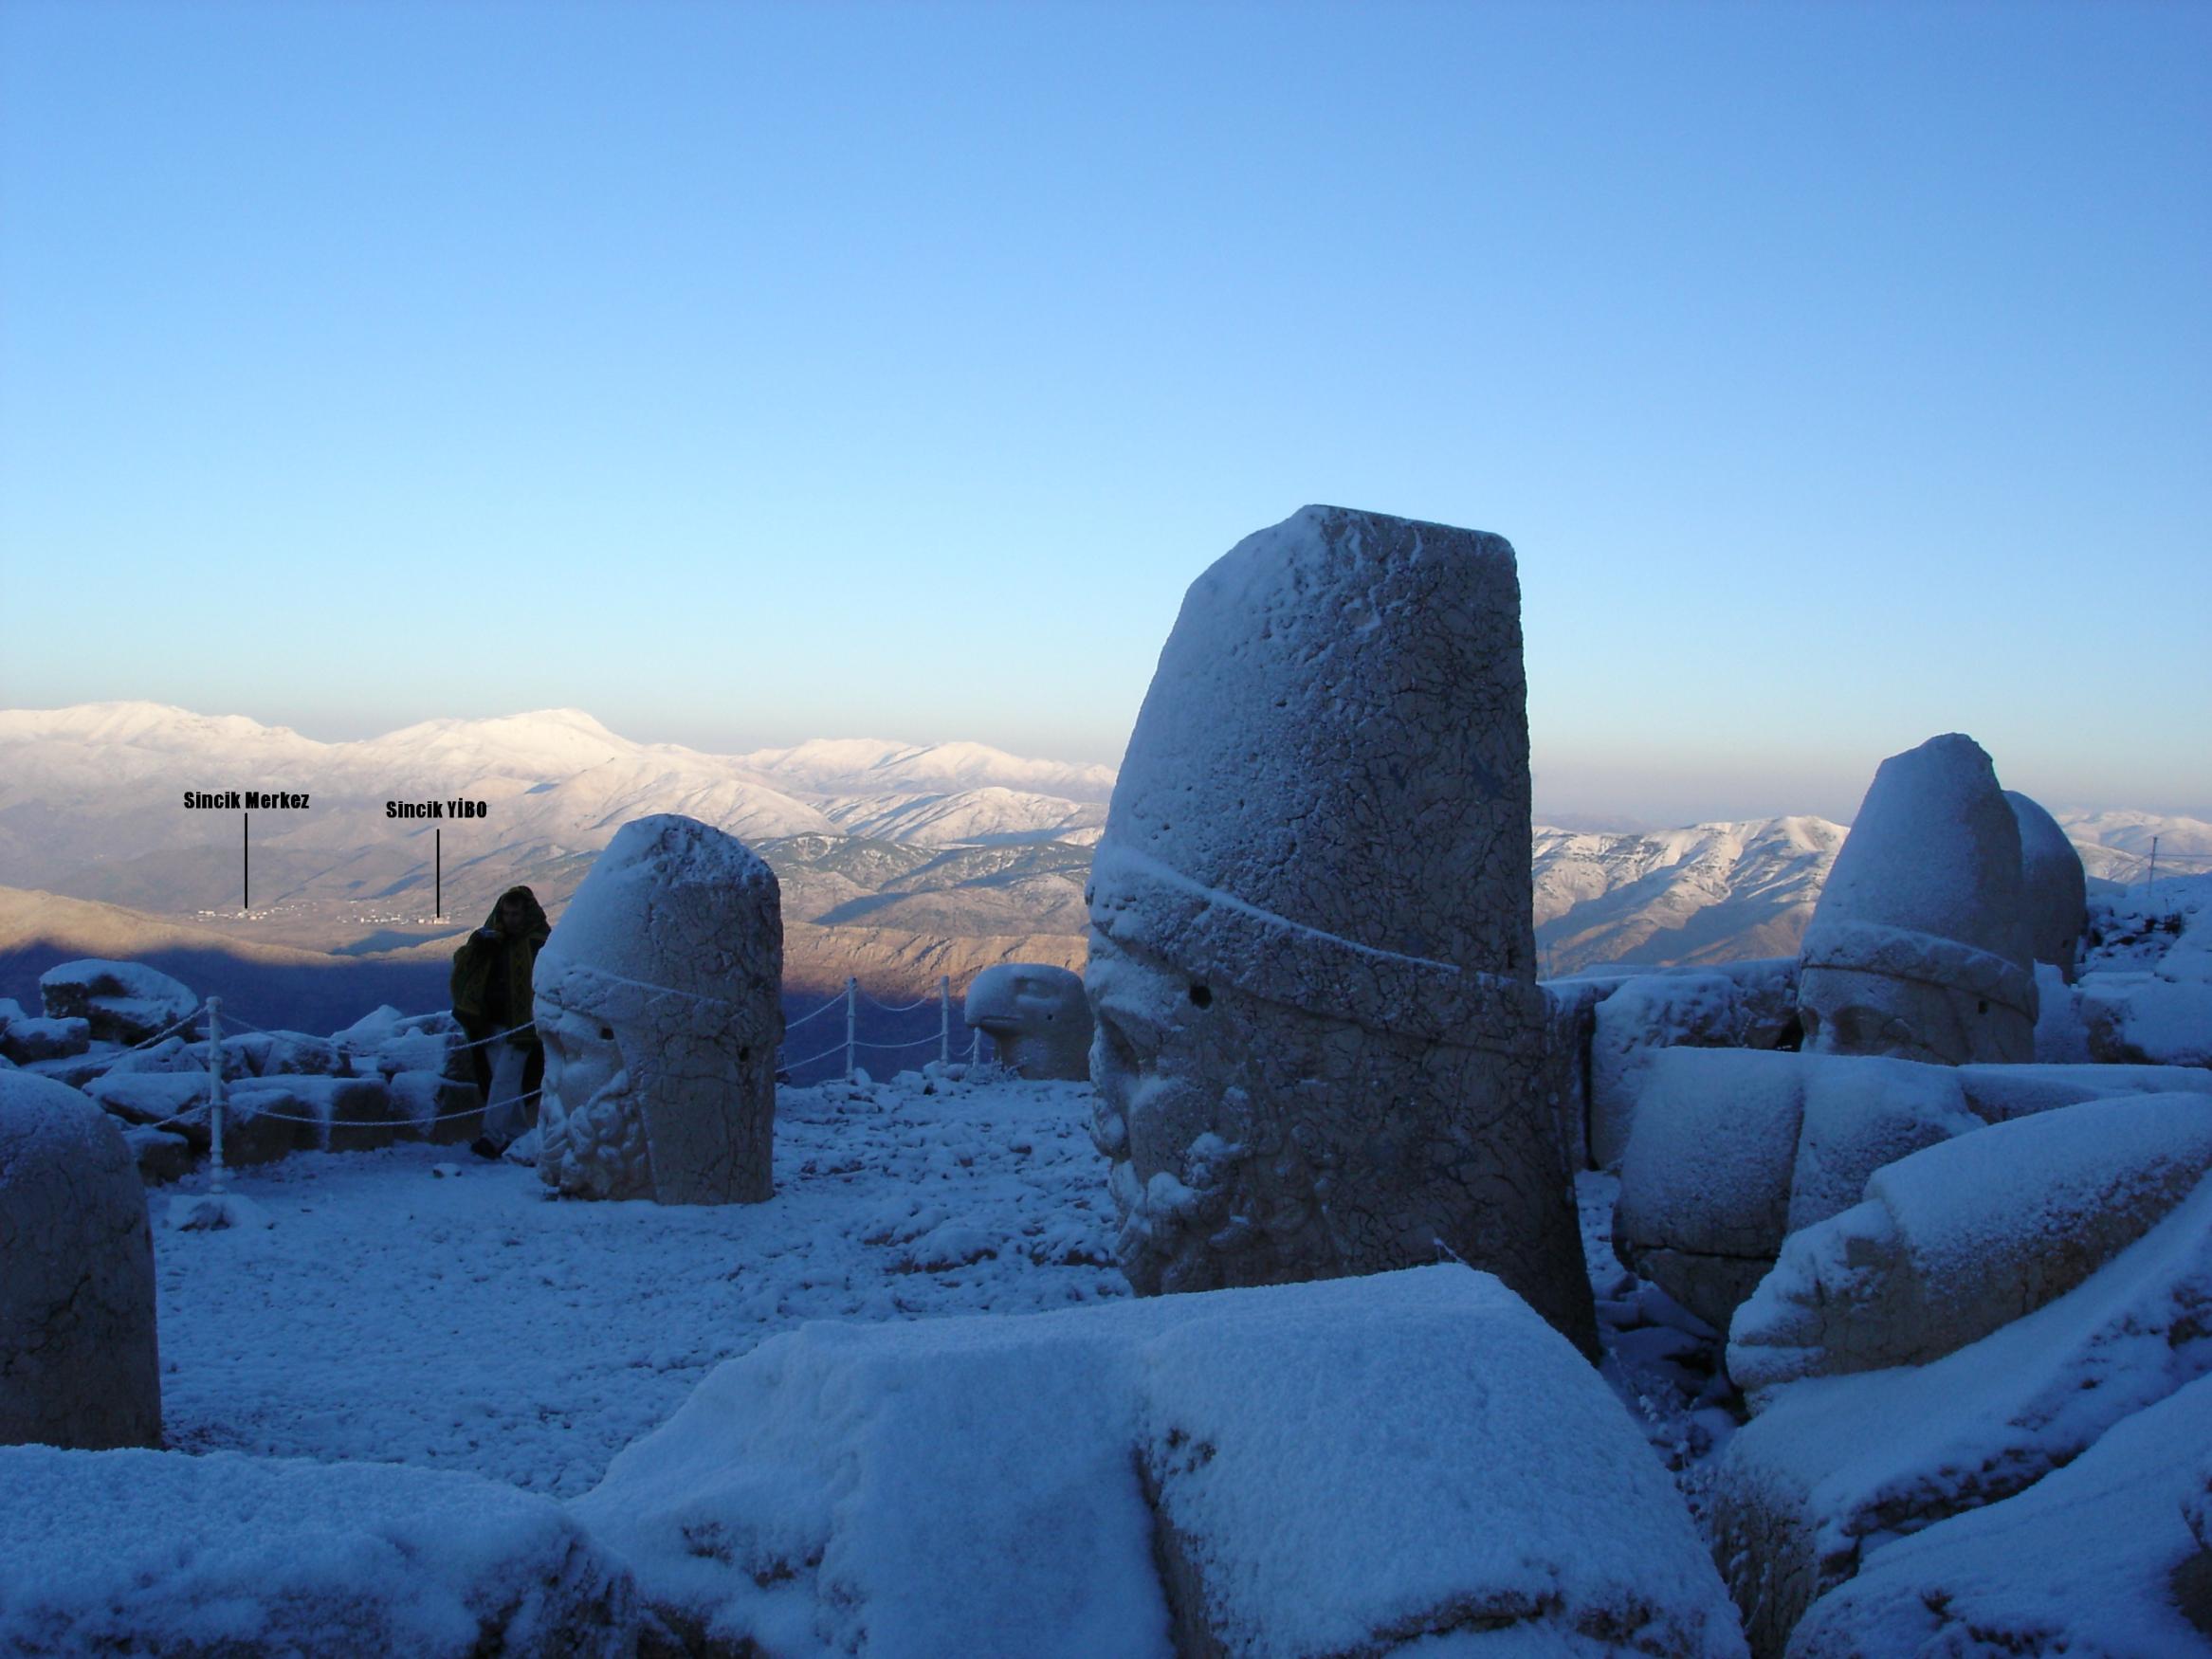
{"x":944,"y":1018}
{"x":852,"y":999}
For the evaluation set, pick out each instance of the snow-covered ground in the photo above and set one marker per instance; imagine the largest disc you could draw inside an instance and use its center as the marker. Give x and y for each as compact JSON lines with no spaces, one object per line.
{"x":474,"y":1322}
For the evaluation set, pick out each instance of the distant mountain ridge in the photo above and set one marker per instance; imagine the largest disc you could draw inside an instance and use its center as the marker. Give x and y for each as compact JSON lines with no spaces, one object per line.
{"x":872,"y":839}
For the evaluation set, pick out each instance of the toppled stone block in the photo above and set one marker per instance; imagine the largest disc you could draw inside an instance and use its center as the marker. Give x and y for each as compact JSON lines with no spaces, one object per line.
{"x":436,"y":1108}
{"x":659,"y":1006}
{"x":1375,"y":1467}
{"x":2103,"y":1557}
{"x":161,"y":1157}
{"x":153,"y":1552}
{"x":255,"y":1130}
{"x":1917,"y":949}
{"x":122,"y":1002}
{"x":1835,"y":1468}
{"x":148,"y":1097}
{"x":1320,"y":1042}
{"x":333,"y":1114}
{"x":1645,"y":1014}
{"x":1036,"y":1016}
{"x":28,"y":1041}
{"x":1962,"y":1237}
{"x":79,"y":1366}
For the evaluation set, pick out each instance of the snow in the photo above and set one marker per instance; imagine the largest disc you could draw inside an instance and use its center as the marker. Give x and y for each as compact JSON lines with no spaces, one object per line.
{"x":129,"y":981}
{"x":2145,"y":989}
{"x":2083,"y":1563}
{"x":478,"y":1323}
{"x":137,"y":1551}
{"x":1339,"y":1461}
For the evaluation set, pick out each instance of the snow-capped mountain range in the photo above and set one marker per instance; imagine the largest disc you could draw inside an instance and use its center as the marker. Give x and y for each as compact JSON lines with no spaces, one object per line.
{"x":911,"y":841}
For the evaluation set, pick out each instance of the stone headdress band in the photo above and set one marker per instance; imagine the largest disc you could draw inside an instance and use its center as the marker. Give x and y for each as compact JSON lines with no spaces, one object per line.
{"x":1924,"y":958}
{"x":1219,"y":938}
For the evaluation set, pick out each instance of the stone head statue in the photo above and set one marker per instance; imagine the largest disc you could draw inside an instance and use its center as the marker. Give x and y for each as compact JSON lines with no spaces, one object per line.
{"x":2054,"y":887}
{"x":1311,"y":956}
{"x":659,"y":1005}
{"x":1036,"y":1013}
{"x":1918,"y":947}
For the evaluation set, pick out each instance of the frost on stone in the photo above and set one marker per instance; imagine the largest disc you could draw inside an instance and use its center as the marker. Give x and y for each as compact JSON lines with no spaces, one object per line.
{"x":1918,"y":947}
{"x":122,"y":1002}
{"x":2103,"y":1557}
{"x":1374,"y":1467}
{"x":2145,"y":991}
{"x":1036,"y":1015}
{"x":1959,"y":1239}
{"x":78,"y":1361}
{"x":149,"y":1552}
{"x":1835,"y":1468}
{"x":2054,"y":885}
{"x":658,"y":1002}
{"x":1311,"y":927}
{"x":1647,"y":1013}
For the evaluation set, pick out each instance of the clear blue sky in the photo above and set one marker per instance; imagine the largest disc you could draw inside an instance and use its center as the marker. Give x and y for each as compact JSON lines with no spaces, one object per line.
{"x":1842,"y":372}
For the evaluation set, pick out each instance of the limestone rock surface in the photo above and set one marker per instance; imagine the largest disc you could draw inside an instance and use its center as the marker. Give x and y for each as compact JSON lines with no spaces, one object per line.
{"x":1835,"y":1468}
{"x":658,"y":1003}
{"x":2097,"y":1559}
{"x":1918,"y":948}
{"x":1961,"y":1237}
{"x":28,"y":1041}
{"x":78,"y":1361}
{"x":1645,"y":1014}
{"x":1392,"y":1464}
{"x":2053,"y":886}
{"x":187,"y":1557}
{"x":1036,"y":1013}
{"x":1320,"y":1042}
{"x":122,"y":1002}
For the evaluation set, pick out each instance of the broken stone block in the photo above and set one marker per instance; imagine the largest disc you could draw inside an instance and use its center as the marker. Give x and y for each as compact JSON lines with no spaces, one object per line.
{"x":1034,"y":1012}
{"x":1964,"y":1236}
{"x":121,"y":1002}
{"x":28,"y":1041}
{"x":1917,"y":949}
{"x":659,"y":1006}
{"x":1320,"y":1044}
{"x":158,"y":1552}
{"x":78,"y":1361}
{"x":1833,"y":1469}
{"x":1380,"y":1466}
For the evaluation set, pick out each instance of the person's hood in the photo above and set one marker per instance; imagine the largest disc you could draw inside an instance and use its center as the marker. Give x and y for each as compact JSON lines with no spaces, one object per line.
{"x":539,"y":926}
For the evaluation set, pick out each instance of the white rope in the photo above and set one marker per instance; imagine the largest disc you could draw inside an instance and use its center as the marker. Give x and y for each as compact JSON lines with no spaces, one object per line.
{"x":244,"y":1109}
{"x":915,"y":1043}
{"x":234,"y":1019}
{"x":167,"y":1030}
{"x":903,"y":1007}
{"x":791,"y":1025}
{"x":795,"y":1065}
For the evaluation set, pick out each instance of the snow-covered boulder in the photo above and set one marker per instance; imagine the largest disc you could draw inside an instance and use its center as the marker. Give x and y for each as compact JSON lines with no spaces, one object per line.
{"x":1735,"y":1149}
{"x":1387,"y":1464}
{"x":1036,"y":1013}
{"x":78,"y":1361}
{"x":28,"y":1041}
{"x":2053,"y":886}
{"x":1962,"y":1237}
{"x":2145,"y":984}
{"x":163,"y":1554}
{"x":123,"y":1002}
{"x":2105,"y":1557}
{"x":1312,"y":964}
{"x":1835,"y":1468}
{"x":148,"y":1097}
{"x":1648,"y":1013}
{"x":1918,"y":948}
{"x":659,"y":1006}
{"x":334,"y":1114}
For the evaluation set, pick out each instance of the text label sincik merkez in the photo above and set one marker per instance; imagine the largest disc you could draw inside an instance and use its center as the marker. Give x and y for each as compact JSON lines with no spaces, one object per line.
{"x":433,"y":809}
{"x":253,"y":800}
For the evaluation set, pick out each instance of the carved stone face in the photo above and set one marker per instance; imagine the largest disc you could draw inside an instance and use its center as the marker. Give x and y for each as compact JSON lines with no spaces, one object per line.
{"x":1255,"y":1144}
{"x":1854,"y":1012}
{"x":588,"y":1122}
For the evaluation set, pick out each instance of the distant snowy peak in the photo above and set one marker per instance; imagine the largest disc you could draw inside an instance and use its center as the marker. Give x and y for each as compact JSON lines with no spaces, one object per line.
{"x":867,"y":766}
{"x":155,"y":728}
{"x":2133,"y":831}
{"x":976,"y":816}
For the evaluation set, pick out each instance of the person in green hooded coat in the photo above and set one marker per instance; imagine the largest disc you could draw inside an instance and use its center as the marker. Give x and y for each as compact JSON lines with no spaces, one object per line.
{"x":492,"y":994}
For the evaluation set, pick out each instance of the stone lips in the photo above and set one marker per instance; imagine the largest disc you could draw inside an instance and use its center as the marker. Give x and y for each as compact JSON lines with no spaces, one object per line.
{"x":1341,"y":681}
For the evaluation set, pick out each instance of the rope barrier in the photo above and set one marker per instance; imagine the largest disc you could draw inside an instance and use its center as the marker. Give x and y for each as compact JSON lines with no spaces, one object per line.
{"x":915,"y":1043}
{"x":903,"y":1007}
{"x":453,"y":1048}
{"x":246,"y":1109}
{"x":791,"y":1025}
{"x":825,"y":1054}
{"x":167,"y":1030}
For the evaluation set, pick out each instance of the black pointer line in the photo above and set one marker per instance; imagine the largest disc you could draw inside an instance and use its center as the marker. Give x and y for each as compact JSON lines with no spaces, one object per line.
{"x":438,"y":904}
{"x":245,"y":865}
